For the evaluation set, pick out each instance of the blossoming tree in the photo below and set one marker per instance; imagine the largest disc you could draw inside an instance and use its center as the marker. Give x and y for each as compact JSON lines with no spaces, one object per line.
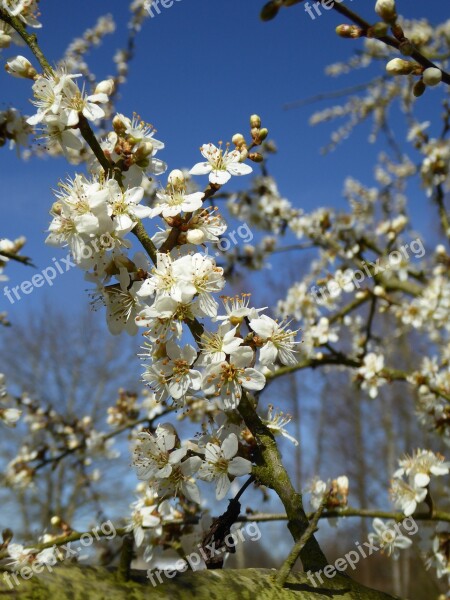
{"x":210,"y":356}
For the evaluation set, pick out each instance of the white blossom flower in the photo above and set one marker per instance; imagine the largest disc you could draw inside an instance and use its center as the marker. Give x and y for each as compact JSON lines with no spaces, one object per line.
{"x":20,"y":556}
{"x":276,"y":423}
{"x":48,"y":556}
{"x":172,"y":202}
{"x":321,"y":333}
{"x":421,"y":465}
{"x":219,"y":464}
{"x":237,"y":309}
{"x":164,"y":319}
{"x":167,"y":279}
{"x":209,"y":224}
{"x":181,"y":480}
{"x":226,"y":379}
{"x":10,"y":416}
{"x":388,"y":538}
{"x":154,"y":454}
{"x":373,"y":365}
{"x":173,"y":376}
{"x":124,"y":207}
{"x":220,"y":165}
{"x":406,"y":496}
{"x":79,"y":214}
{"x":205,"y":276}
{"x":75,"y":101}
{"x":143,"y":517}
{"x":278,"y":341}
{"x":317,"y":489}
{"x":122,"y":304}
{"x":215,"y":346}
{"x":439,"y":555}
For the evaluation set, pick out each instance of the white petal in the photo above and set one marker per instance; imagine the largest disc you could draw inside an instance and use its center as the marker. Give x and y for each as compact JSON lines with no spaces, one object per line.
{"x":239,"y":466}
{"x":123,"y":223}
{"x":242,"y":357}
{"x":421,"y":480}
{"x":402,"y":542}
{"x":201,"y":168}
{"x":253,"y":380}
{"x":239,"y":169}
{"x":212,"y":453}
{"x":219,"y":177}
{"x":138,"y":536}
{"x":93,"y":112}
{"x":263,"y":326}
{"x":190,"y":490}
{"x":268,"y":354}
{"x":223,"y":485}
{"x":230,"y":446}
{"x":177,"y":455}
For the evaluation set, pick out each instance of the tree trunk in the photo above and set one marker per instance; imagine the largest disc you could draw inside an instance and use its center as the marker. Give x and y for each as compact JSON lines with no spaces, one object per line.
{"x":95,"y":583}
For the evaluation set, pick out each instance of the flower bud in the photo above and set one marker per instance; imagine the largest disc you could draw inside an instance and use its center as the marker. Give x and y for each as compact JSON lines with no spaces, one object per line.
{"x":378,"y":290}
{"x":176,"y":178}
{"x":269,"y":11}
{"x":256,"y":157}
{"x":19,"y":243}
{"x":5,"y":40}
{"x":238,"y":140}
{"x":105,"y":87}
{"x":19,"y":66}
{"x":263,"y":133}
{"x":56,"y":208}
{"x":119,"y":124}
{"x":143,"y":150}
{"x":432,"y":76}
{"x":349,"y":31}
{"x":342,"y":485}
{"x":419,"y":88}
{"x":255,"y":121}
{"x":195,"y":236}
{"x":386,"y":10}
{"x":398,"y":66}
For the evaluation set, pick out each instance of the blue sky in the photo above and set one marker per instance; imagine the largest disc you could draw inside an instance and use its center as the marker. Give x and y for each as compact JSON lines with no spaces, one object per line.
{"x":201,"y":69}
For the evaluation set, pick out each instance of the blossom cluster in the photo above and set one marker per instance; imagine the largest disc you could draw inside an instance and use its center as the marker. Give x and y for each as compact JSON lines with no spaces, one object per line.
{"x":9,"y":415}
{"x":26,"y":10}
{"x":9,"y":249}
{"x":417,"y":469}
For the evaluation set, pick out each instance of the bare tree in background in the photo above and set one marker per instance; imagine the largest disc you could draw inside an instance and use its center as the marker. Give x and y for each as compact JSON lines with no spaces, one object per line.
{"x":79,"y":389}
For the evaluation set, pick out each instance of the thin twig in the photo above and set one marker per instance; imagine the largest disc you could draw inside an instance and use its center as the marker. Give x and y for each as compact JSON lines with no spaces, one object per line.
{"x":294,"y":554}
